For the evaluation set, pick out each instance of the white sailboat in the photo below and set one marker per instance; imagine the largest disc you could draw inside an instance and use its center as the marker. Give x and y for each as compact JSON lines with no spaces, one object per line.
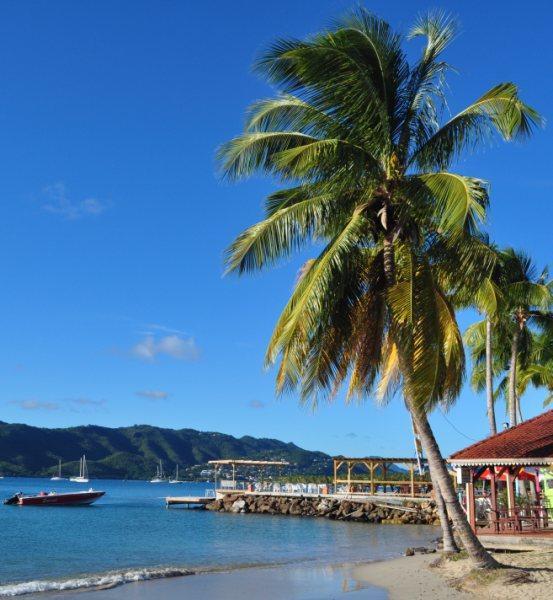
{"x":160,"y":475}
{"x":83,"y":472}
{"x":58,"y":477}
{"x":176,"y":479}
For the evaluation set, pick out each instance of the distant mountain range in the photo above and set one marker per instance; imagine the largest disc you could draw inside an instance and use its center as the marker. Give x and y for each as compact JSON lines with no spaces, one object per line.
{"x":133,"y":452}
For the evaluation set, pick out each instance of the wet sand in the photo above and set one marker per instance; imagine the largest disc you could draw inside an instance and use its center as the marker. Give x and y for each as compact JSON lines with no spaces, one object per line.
{"x":406,"y":578}
{"x":274,"y":583}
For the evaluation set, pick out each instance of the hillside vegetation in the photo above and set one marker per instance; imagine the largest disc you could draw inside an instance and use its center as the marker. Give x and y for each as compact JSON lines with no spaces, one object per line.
{"x":133,"y":452}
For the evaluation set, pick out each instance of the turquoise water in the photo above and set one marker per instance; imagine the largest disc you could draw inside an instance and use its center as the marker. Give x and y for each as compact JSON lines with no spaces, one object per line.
{"x":130,"y":530}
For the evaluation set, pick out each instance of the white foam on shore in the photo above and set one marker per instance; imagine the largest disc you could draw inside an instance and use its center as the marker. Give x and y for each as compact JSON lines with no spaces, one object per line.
{"x":105,"y":580}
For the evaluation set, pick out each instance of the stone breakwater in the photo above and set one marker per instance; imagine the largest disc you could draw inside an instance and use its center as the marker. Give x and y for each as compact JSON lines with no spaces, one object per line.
{"x":420,"y":513}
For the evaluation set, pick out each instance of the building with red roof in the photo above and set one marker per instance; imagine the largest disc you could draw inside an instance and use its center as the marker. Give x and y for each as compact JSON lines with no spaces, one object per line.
{"x":499,"y":461}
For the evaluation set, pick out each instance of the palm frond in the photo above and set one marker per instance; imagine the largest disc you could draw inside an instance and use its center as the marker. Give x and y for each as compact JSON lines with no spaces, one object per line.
{"x":460,"y":202}
{"x":247,"y":153}
{"x":500,"y":109}
{"x":427,"y":79}
{"x":276,"y":237}
{"x":311,"y":293}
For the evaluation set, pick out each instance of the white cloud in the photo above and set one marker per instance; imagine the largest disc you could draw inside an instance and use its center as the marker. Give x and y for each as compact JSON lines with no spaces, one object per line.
{"x":153,"y":394}
{"x":257,"y":404}
{"x":85,"y":402}
{"x":57,"y":201}
{"x":164,"y":328}
{"x":174,"y":346}
{"x":72,"y":404}
{"x":35,"y":404}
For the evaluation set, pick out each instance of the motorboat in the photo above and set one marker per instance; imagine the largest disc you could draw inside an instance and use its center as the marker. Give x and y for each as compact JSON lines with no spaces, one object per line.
{"x":55,"y":499}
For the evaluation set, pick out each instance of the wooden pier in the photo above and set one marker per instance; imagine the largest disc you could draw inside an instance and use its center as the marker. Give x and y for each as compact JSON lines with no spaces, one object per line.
{"x":188,"y":501}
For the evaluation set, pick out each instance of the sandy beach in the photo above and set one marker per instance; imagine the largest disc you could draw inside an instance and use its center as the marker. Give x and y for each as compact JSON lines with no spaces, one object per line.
{"x":407,"y":578}
{"x":529,"y":572}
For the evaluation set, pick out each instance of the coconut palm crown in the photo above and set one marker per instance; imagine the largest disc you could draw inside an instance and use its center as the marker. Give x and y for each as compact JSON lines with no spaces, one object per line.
{"x":356,"y":134}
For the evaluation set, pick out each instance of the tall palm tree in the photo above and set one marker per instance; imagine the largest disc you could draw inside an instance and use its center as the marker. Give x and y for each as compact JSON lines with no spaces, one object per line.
{"x":356,"y":137}
{"x":529,"y":300}
{"x":538,"y":371}
{"x":535,"y":371}
{"x":523,"y":310}
{"x":486,"y":301}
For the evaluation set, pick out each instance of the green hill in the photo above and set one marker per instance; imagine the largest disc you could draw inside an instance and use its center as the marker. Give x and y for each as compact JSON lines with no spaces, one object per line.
{"x":133,"y":452}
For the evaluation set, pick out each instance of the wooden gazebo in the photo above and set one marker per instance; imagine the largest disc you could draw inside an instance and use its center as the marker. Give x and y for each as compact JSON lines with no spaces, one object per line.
{"x":500,"y":461}
{"x":379,"y":470}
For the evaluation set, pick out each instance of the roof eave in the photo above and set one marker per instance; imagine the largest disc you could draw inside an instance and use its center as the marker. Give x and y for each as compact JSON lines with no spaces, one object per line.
{"x":501,"y":462}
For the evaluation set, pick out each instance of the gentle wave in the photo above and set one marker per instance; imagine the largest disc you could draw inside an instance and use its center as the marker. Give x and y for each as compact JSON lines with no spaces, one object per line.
{"x":104,"y":581}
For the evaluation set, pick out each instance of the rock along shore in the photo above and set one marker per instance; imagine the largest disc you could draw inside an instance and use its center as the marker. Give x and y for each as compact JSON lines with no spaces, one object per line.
{"x":420,"y":513}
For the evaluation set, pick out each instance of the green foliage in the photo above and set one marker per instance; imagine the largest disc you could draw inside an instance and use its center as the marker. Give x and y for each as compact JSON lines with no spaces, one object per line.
{"x":355,"y":137}
{"x":518,"y":299}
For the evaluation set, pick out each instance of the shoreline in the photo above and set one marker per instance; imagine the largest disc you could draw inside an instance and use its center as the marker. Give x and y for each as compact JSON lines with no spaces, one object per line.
{"x":376,"y":580}
{"x":528,"y":570}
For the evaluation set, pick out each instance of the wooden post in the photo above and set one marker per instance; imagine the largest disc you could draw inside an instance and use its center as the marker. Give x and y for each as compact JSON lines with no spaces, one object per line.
{"x":471,"y":508}
{"x":349,"y":477}
{"x":493,"y":500}
{"x":335,"y":475}
{"x":510,"y":490}
{"x":511,"y":504}
{"x":412,"y":477}
{"x":372,"y":478}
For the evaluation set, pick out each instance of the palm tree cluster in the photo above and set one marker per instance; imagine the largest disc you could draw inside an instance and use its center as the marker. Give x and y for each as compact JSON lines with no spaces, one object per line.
{"x":513,"y":344}
{"x":357,"y":140}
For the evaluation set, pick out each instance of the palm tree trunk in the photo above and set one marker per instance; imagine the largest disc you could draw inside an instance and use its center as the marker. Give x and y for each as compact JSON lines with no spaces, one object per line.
{"x":448,"y":539}
{"x":477,"y":553}
{"x":512,"y":396}
{"x":519,"y":410}
{"x":449,"y":545}
{"x":489,"y":378}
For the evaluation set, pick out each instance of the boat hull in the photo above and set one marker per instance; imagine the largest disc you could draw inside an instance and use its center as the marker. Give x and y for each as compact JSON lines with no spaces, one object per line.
{"x":75,"y":499}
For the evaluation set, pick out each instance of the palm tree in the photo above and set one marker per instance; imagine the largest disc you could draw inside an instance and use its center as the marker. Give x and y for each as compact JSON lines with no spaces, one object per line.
{"x":523,"y":310}
{"x":486,"y":302}
{"x":535,"y":371}
{"x":355,"y":136}
{"x":529,"y":300}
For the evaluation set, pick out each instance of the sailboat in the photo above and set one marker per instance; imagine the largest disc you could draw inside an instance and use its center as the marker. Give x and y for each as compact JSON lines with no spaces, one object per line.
{"x":160,"y":475}
{"x":57,"y":477}
{"x":176,"y":480}
{"x":83,"y":472}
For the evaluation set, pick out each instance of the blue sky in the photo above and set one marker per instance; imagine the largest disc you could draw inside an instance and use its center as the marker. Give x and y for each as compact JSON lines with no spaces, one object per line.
{"x":114,"y":222}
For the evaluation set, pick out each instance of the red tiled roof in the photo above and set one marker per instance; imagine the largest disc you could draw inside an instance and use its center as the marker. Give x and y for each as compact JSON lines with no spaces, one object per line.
{"x":530,"y":439}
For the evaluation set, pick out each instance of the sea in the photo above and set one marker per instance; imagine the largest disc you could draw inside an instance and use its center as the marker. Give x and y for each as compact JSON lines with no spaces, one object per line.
{"x":129,"y":535}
